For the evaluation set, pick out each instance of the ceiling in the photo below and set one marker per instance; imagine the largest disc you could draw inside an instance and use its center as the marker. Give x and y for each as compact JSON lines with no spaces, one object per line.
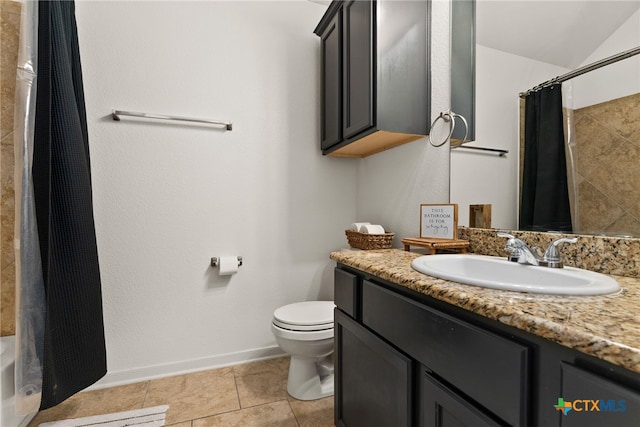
{"x":558,"y":32}
{"x":562,"y":33}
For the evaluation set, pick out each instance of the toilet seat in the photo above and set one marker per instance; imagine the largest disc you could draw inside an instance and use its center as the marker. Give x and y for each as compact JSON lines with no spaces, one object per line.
{"x":305,"y":316}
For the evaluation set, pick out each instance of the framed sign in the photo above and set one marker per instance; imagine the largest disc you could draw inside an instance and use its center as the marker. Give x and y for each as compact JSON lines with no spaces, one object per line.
{"x":439,"y":221}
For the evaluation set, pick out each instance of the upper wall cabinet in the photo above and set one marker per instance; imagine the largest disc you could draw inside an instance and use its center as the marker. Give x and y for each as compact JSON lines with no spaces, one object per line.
{"x":375,"y":75}
{"x":463,"y":67}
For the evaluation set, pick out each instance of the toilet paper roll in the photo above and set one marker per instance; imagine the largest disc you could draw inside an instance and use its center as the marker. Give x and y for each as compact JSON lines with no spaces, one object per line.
{"x":228,"y":265}
{"x":357,"y":225}
{"x":372,"y":229}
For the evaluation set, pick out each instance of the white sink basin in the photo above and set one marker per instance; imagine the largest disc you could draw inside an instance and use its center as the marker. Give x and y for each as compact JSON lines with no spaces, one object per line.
{"x":498,"y":273}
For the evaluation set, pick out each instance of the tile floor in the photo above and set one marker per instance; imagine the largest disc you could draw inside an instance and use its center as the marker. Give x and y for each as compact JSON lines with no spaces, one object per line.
{"x":253,"y":394}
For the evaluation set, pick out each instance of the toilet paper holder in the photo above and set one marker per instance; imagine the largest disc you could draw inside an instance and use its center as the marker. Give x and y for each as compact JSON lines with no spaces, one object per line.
{"x":214,"y":261}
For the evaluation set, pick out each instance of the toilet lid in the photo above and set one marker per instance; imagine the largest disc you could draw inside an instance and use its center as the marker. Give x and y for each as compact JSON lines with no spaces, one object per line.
{"x":308,"y":315}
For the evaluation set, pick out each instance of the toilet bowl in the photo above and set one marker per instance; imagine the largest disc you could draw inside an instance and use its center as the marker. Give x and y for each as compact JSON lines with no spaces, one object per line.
{"x":305,"y":331}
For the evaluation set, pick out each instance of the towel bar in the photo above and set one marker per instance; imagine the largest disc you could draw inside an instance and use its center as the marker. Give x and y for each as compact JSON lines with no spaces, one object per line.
{"x":115,"y":114}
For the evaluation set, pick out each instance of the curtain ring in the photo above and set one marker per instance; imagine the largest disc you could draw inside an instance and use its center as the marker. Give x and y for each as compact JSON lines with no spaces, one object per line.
{"x":447,"y":116}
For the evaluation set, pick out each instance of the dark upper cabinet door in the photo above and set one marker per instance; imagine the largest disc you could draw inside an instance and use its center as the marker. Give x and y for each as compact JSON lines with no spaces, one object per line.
{"x":331,"y":42}
{"x":358,"y":66}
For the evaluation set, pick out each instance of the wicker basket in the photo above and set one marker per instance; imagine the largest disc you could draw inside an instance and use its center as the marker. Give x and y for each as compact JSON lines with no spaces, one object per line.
{"x":369,"y":241}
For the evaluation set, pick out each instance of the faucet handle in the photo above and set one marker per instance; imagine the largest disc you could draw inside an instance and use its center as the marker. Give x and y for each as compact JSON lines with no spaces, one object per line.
{"x":551,"y":255}
{"x":515,"y":246}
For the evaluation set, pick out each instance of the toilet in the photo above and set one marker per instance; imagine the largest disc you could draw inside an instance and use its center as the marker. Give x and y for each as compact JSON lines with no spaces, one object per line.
{"x":305,"y":331}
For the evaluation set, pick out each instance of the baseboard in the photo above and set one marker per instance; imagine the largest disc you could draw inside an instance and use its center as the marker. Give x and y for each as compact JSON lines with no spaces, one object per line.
{"x":146,"y":373}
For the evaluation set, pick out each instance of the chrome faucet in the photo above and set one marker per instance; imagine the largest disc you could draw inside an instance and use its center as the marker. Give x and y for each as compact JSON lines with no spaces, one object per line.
{"x":521,"y":253}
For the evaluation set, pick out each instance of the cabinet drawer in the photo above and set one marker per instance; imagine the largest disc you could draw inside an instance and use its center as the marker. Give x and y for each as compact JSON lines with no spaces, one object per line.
{"x":345,"y":293}
{"x":596,"y":401}
{"x":488,"y":369}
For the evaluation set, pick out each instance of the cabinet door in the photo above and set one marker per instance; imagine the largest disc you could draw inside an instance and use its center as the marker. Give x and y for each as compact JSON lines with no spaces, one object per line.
{"x":331,"y":42}
{"x":373,"y":381}
{"x":590,"y":400}
{"x":441,"y":407}
{"x":358,"y":66}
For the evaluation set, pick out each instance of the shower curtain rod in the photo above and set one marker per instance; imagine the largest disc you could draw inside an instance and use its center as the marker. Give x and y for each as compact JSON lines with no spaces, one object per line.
{"x":582,"y":70}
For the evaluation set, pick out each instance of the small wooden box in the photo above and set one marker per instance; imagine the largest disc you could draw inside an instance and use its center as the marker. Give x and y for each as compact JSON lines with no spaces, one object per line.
{"x":479,"y":216}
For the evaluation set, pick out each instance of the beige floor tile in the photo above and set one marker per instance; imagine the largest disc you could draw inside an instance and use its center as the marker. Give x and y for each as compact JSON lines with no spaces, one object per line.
{"x":275,"y":414}
{"x":313,"y":413}
{"x":97,"y":402}
{"x":182,"y":424}
{"x":262,"y":382}
{"x":207,"y":399}
{"x":196,"y":395}
{"x":279,"y":364}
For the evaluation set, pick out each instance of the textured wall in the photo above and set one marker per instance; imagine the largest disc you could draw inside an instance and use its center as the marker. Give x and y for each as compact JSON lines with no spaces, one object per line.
{"x":167,"y":197}
{"x":608,"y":142}
{"x":10,"y":29}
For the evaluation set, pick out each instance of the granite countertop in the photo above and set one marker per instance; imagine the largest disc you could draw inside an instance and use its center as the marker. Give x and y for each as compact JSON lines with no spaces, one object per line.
{"x":606,"y":327}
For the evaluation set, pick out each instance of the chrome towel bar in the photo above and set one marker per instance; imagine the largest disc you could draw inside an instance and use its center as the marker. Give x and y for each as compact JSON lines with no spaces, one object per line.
{"x":115,"y":114}
{"x":498,"y":151}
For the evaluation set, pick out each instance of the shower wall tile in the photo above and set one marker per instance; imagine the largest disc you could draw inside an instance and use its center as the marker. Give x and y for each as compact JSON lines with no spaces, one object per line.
{"x":628,"y":223}
{"x":10,"y":24}
{"x":593,"y":142}
{"x":635,"y":138}
{"x":7,"y":198}
{"x":10,"y":35}
{"x":608,"y":142}
{"x":620,"y":115}
{"x":617,"y":178}
{"x":596,"y":212}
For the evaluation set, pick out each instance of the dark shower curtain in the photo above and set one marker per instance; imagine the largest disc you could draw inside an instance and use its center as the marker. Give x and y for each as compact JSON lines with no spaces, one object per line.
{"x":74,"y":347}
{"x":545,"y":195}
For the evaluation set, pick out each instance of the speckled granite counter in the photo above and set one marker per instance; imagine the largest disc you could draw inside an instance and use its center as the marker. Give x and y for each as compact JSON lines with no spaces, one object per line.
{"x":606,"y":327}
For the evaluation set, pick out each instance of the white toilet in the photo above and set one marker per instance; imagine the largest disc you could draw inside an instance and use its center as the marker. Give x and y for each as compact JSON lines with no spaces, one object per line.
{"x":305,"y":331}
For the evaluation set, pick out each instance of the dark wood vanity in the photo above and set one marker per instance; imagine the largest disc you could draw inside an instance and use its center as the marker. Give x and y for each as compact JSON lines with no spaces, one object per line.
{"x":405,"y":358}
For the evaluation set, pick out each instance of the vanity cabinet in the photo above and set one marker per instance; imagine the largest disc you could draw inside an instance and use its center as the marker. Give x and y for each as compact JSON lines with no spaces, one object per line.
{"x":375,"y":84}
{"x":406,"y":359}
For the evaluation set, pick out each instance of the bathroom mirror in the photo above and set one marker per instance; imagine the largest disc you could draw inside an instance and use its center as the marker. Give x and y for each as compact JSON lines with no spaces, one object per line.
{"x":564,"y":35}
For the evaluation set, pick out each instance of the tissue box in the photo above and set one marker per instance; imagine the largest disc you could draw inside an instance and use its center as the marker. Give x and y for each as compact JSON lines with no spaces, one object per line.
{"x":369,"y":241}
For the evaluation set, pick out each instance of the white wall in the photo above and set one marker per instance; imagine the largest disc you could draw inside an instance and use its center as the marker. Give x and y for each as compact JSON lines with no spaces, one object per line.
{"x":168,"y":197}
{"x":393,"y":184}
{"x":615,"y":80}
{"x":480,"y":177}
